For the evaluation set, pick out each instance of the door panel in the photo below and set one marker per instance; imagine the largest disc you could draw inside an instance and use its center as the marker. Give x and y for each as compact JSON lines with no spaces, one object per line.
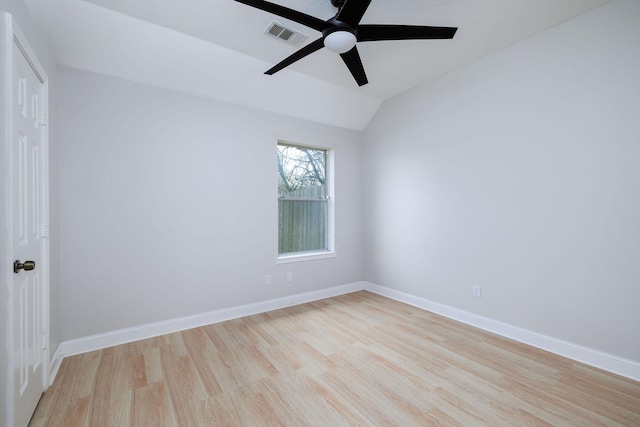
{"x":27,"y":306}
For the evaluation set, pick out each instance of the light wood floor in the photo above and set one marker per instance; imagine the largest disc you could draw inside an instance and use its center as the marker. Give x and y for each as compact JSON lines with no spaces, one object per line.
{"x":358,"y":359}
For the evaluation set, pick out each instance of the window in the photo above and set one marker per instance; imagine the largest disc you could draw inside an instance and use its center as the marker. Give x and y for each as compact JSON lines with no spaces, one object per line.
{"x":303,"y":201}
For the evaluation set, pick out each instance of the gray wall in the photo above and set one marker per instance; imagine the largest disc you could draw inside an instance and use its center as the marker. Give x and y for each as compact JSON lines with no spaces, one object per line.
{"x":37,"y":42}
{"x":520,"y":173}
{"x":169,"y":205}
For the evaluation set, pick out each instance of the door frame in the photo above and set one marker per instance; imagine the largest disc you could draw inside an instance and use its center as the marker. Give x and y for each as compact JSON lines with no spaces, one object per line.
{"x":12,"y":39}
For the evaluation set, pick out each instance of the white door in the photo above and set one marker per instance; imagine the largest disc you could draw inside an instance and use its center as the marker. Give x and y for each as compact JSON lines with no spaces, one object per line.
{"x":28,"y":174}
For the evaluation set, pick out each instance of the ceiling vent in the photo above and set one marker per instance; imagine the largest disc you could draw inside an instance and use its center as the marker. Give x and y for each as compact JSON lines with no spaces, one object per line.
{"x":285,"y":34}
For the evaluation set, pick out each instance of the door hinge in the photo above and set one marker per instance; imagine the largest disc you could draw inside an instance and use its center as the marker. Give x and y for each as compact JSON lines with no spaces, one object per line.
{"x":44,"y":229}
{"x":44,"y":118}
{"x":45,"y":341}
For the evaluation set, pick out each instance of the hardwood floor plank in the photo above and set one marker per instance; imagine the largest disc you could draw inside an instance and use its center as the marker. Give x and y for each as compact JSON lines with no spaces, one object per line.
{"x":296,"y":402}
{"x":260,"y":327}
{"x":220,"y":411}
{"x":139,"y":371}
{"x":153,"y":365}
{"x":151,"y":406}
{"x":567,"y":410}
{"x":579,"y":383}
{"x":120,"y":393}
{"x":202,"y":351}
{"x":100,"y":409}
{"x":76,"y":412}
{"x":121,"y":409}
{"x":185,"y":389}
{"x":354,"y":360}
{"x":346,"y":410}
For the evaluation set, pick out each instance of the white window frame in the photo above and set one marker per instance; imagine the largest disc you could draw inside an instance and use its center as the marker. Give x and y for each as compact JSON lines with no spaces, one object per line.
{"x":330,"y":252}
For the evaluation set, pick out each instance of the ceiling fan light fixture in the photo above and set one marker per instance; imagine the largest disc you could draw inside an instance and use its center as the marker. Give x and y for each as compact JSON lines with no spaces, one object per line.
{"x":340,"y":41}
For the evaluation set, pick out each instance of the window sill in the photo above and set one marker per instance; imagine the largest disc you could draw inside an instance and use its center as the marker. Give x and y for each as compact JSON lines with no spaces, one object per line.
{"x":304,"y":256}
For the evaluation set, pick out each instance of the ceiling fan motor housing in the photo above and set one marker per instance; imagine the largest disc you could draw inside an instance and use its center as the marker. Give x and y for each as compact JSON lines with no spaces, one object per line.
{"x":338,"y":26}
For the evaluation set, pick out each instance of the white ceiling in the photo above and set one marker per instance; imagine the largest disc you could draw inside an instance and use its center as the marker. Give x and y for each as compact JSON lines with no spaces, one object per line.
{"x":218,"y":49}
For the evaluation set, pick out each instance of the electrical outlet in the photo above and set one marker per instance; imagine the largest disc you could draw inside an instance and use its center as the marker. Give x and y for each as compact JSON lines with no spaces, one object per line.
{"x":477,"y":291}
{"x":289,"y":277}
{"x":267,"y":279}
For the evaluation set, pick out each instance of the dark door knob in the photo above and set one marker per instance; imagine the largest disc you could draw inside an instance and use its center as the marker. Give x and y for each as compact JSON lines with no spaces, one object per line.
{"x":27,"y":265}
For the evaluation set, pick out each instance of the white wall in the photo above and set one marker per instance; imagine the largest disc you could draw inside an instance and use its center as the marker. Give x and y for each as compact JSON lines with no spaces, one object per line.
{"x":37,"y":42}
{"x":169,"y":205}
{"x":520,"y":173}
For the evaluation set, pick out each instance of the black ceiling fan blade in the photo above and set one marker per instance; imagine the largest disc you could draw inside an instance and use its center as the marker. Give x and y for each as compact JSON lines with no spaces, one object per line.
{"x":285,"y":12}
{"x":354,"y":64}
{"x":307,"y":50}
{"x":368,"y":33}
{"x":352,"y":11}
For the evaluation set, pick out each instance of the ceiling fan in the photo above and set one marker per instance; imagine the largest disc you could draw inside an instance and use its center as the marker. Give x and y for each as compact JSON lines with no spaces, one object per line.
{"x":340,"y":33}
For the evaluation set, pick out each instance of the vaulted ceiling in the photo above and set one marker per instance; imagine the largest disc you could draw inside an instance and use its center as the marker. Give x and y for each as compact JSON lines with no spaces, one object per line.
{"x":218,"y":48}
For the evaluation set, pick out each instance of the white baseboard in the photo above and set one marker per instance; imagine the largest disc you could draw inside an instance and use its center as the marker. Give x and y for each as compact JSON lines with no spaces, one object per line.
{"x":608,"y":362}
{"x":617,"y":365}
{"x":123,"y":336}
